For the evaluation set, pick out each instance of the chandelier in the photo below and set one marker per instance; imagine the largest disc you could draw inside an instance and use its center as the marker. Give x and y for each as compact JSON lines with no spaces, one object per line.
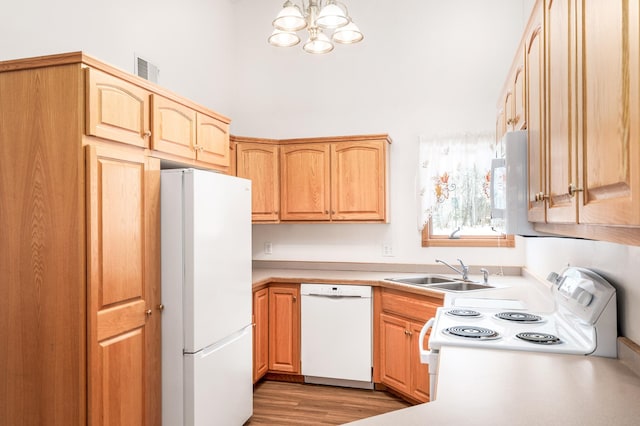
{"x":315,"y":16}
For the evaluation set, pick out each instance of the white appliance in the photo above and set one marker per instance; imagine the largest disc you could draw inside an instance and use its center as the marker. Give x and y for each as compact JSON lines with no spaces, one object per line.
{"x":336,"y":337}
{"x":509,"y":187}
{"x":584,"y":322}
{"x":206,"y":291}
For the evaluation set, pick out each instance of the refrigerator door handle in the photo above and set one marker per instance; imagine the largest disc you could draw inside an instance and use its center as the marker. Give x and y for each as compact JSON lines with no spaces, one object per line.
{"x":224,"y":342}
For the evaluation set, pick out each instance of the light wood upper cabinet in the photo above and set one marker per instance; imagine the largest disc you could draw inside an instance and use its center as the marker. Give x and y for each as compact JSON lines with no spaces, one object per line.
{"x":582,"y":79}
{"x":561,"y":111}
{"x":535,"y":83}
{"x":259,"y":162}
{"x":358,"y":180}
{"x":334,"y":181}
{"x":122,"y":215}
{"x":608,"y":127}
{"x":212,"y":140}
{"x":174,"y":128}
{"x":305,"y":182}
{"x":116,"y":110}
{"x":284,"y":328}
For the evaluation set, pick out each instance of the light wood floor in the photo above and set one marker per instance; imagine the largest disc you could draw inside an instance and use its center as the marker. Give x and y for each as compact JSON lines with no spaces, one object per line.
{"x":283,"y":403}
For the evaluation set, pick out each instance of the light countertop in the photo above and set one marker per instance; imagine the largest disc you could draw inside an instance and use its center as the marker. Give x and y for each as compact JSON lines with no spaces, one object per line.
{"x":495,"y":387}
{"x":532,"y":292}
{"x":498,"y":387}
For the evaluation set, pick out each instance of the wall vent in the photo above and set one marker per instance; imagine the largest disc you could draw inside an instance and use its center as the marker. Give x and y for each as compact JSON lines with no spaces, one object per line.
{"x":146,"y":70}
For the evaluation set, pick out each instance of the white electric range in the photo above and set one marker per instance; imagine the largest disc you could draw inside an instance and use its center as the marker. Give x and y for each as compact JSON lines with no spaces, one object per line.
{"x":584,"y":322}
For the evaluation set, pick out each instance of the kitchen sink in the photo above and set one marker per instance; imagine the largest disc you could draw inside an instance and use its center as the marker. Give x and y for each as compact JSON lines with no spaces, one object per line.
{"x":437,"y":282}
{"x":461,"y":286}
{"x":424,"y":280}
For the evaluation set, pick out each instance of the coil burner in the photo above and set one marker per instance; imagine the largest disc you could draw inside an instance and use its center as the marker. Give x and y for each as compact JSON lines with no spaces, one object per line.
{"x":466,"y":313}
{"x":472,"y":332}
{"x":539,"y":338}
{"x":520,"y":317}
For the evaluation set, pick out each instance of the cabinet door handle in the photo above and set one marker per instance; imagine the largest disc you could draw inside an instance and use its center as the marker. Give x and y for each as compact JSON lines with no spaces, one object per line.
{"x":147,"y":133}
{"x":572,"y":190}
{"x":408,"y":333}
{"x":295,"y":298}
{"x":161,"y":307}
{"x":148,"y":312}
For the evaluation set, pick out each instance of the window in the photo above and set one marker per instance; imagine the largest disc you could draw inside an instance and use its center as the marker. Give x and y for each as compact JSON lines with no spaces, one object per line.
{"x":454,"y":184}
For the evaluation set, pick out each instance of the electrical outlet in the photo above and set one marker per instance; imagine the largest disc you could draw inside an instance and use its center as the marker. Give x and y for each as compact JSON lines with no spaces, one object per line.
{"x":268,"y":248}
{"x":387,"y":250}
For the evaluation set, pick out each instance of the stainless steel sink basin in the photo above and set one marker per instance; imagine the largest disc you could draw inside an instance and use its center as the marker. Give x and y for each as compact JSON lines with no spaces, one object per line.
{"x":461,"y":286}
{"x":424,"y":280}
{"x":437,"y":282}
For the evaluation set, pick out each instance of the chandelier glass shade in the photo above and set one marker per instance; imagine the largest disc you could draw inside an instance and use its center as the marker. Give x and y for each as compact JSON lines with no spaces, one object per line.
{"x":316,"y":16}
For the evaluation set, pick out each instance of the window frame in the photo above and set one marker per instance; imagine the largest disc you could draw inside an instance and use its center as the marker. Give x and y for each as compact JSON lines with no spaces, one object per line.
{"x":430,"y":240}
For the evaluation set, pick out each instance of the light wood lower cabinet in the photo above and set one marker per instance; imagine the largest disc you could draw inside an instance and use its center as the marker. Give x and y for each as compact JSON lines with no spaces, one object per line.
{"x":260,"y":333}
{"x":399,"y":318}
{"x":284,"y":328}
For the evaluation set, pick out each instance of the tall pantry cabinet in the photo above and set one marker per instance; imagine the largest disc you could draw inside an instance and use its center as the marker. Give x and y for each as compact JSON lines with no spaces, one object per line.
{"x":79,"y":213}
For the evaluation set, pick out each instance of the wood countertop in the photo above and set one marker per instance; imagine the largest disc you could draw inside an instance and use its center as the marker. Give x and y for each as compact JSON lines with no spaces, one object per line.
{"x":496,"y":387}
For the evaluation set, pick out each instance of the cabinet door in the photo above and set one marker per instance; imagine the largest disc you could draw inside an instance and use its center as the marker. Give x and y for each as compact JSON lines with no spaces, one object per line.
{"x":608,"y":94}
{"x":174,"y":127}
{"x":519,"y":121}
{"x":561,"y":112}
{"x":284,"y":329}
{"x":212,"y":140}
{"x":304,"y":182}
{"x":508,"y":110}
{"x":535,"y":118}
{"x":395,"y":359}
{"x":260,"y":333}
{"x":259,"y":163}
{"x":116,"y":110}
{"x":419,"y":371}
{"x":123,"y":288}
{"x":358,"y":181}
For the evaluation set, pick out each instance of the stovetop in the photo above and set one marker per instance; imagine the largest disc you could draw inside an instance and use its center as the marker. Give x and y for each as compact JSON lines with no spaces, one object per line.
{"x":537,"y":332}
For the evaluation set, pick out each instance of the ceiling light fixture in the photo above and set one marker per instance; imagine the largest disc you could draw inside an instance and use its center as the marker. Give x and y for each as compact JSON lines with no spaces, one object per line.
{"x":315,"y":16}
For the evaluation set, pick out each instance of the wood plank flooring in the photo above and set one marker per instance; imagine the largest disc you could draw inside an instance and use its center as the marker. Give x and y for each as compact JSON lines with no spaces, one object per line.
{"x":284,"y":403}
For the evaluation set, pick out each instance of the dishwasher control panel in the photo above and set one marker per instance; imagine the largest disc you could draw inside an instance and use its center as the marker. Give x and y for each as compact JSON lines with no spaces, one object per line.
{"x":335,"y":290}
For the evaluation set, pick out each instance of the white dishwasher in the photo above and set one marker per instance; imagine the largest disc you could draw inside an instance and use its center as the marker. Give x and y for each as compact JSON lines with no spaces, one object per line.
{"x":336,"y":334}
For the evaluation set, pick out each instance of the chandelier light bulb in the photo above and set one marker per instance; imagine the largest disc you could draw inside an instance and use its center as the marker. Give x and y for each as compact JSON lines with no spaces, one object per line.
{"x":348,"y":34}
{"x":283,"y":38}
{"x":290,"y":18}
{"x":318,"y":43}
{"x":332,"y":16}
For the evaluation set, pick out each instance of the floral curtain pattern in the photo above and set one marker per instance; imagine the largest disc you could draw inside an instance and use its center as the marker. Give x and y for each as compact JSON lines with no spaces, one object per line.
{"x":453,"y":181}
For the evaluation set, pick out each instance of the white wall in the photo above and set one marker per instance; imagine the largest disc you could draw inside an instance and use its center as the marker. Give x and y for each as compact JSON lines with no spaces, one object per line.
{"x":618,"y":263}
{"x":188,"y":39}
{"x":425,"y":67}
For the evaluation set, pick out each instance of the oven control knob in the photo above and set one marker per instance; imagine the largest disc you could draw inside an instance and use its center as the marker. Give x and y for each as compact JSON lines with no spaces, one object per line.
{"x":582,"y":296}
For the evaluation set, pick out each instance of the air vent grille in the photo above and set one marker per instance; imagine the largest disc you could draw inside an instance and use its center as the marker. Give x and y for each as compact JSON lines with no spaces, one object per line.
{"x":146,"y":70}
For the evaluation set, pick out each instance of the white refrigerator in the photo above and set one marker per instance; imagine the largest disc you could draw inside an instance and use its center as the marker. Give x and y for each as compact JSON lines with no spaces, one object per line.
{"x":206,"y":293}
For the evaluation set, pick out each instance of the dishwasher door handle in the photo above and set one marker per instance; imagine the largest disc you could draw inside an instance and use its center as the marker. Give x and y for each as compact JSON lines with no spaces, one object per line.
{"x":336,"y":296}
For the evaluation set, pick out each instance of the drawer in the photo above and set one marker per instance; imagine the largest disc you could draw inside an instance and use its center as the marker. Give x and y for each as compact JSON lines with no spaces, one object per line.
{"x":415,"y":307}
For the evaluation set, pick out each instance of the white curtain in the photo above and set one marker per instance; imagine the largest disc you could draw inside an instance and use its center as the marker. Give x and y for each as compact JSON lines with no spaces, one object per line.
{"x":453,"y":177}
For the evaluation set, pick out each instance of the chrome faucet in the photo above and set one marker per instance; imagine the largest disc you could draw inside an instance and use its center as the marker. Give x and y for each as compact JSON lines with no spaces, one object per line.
{"x":465,"y":268}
